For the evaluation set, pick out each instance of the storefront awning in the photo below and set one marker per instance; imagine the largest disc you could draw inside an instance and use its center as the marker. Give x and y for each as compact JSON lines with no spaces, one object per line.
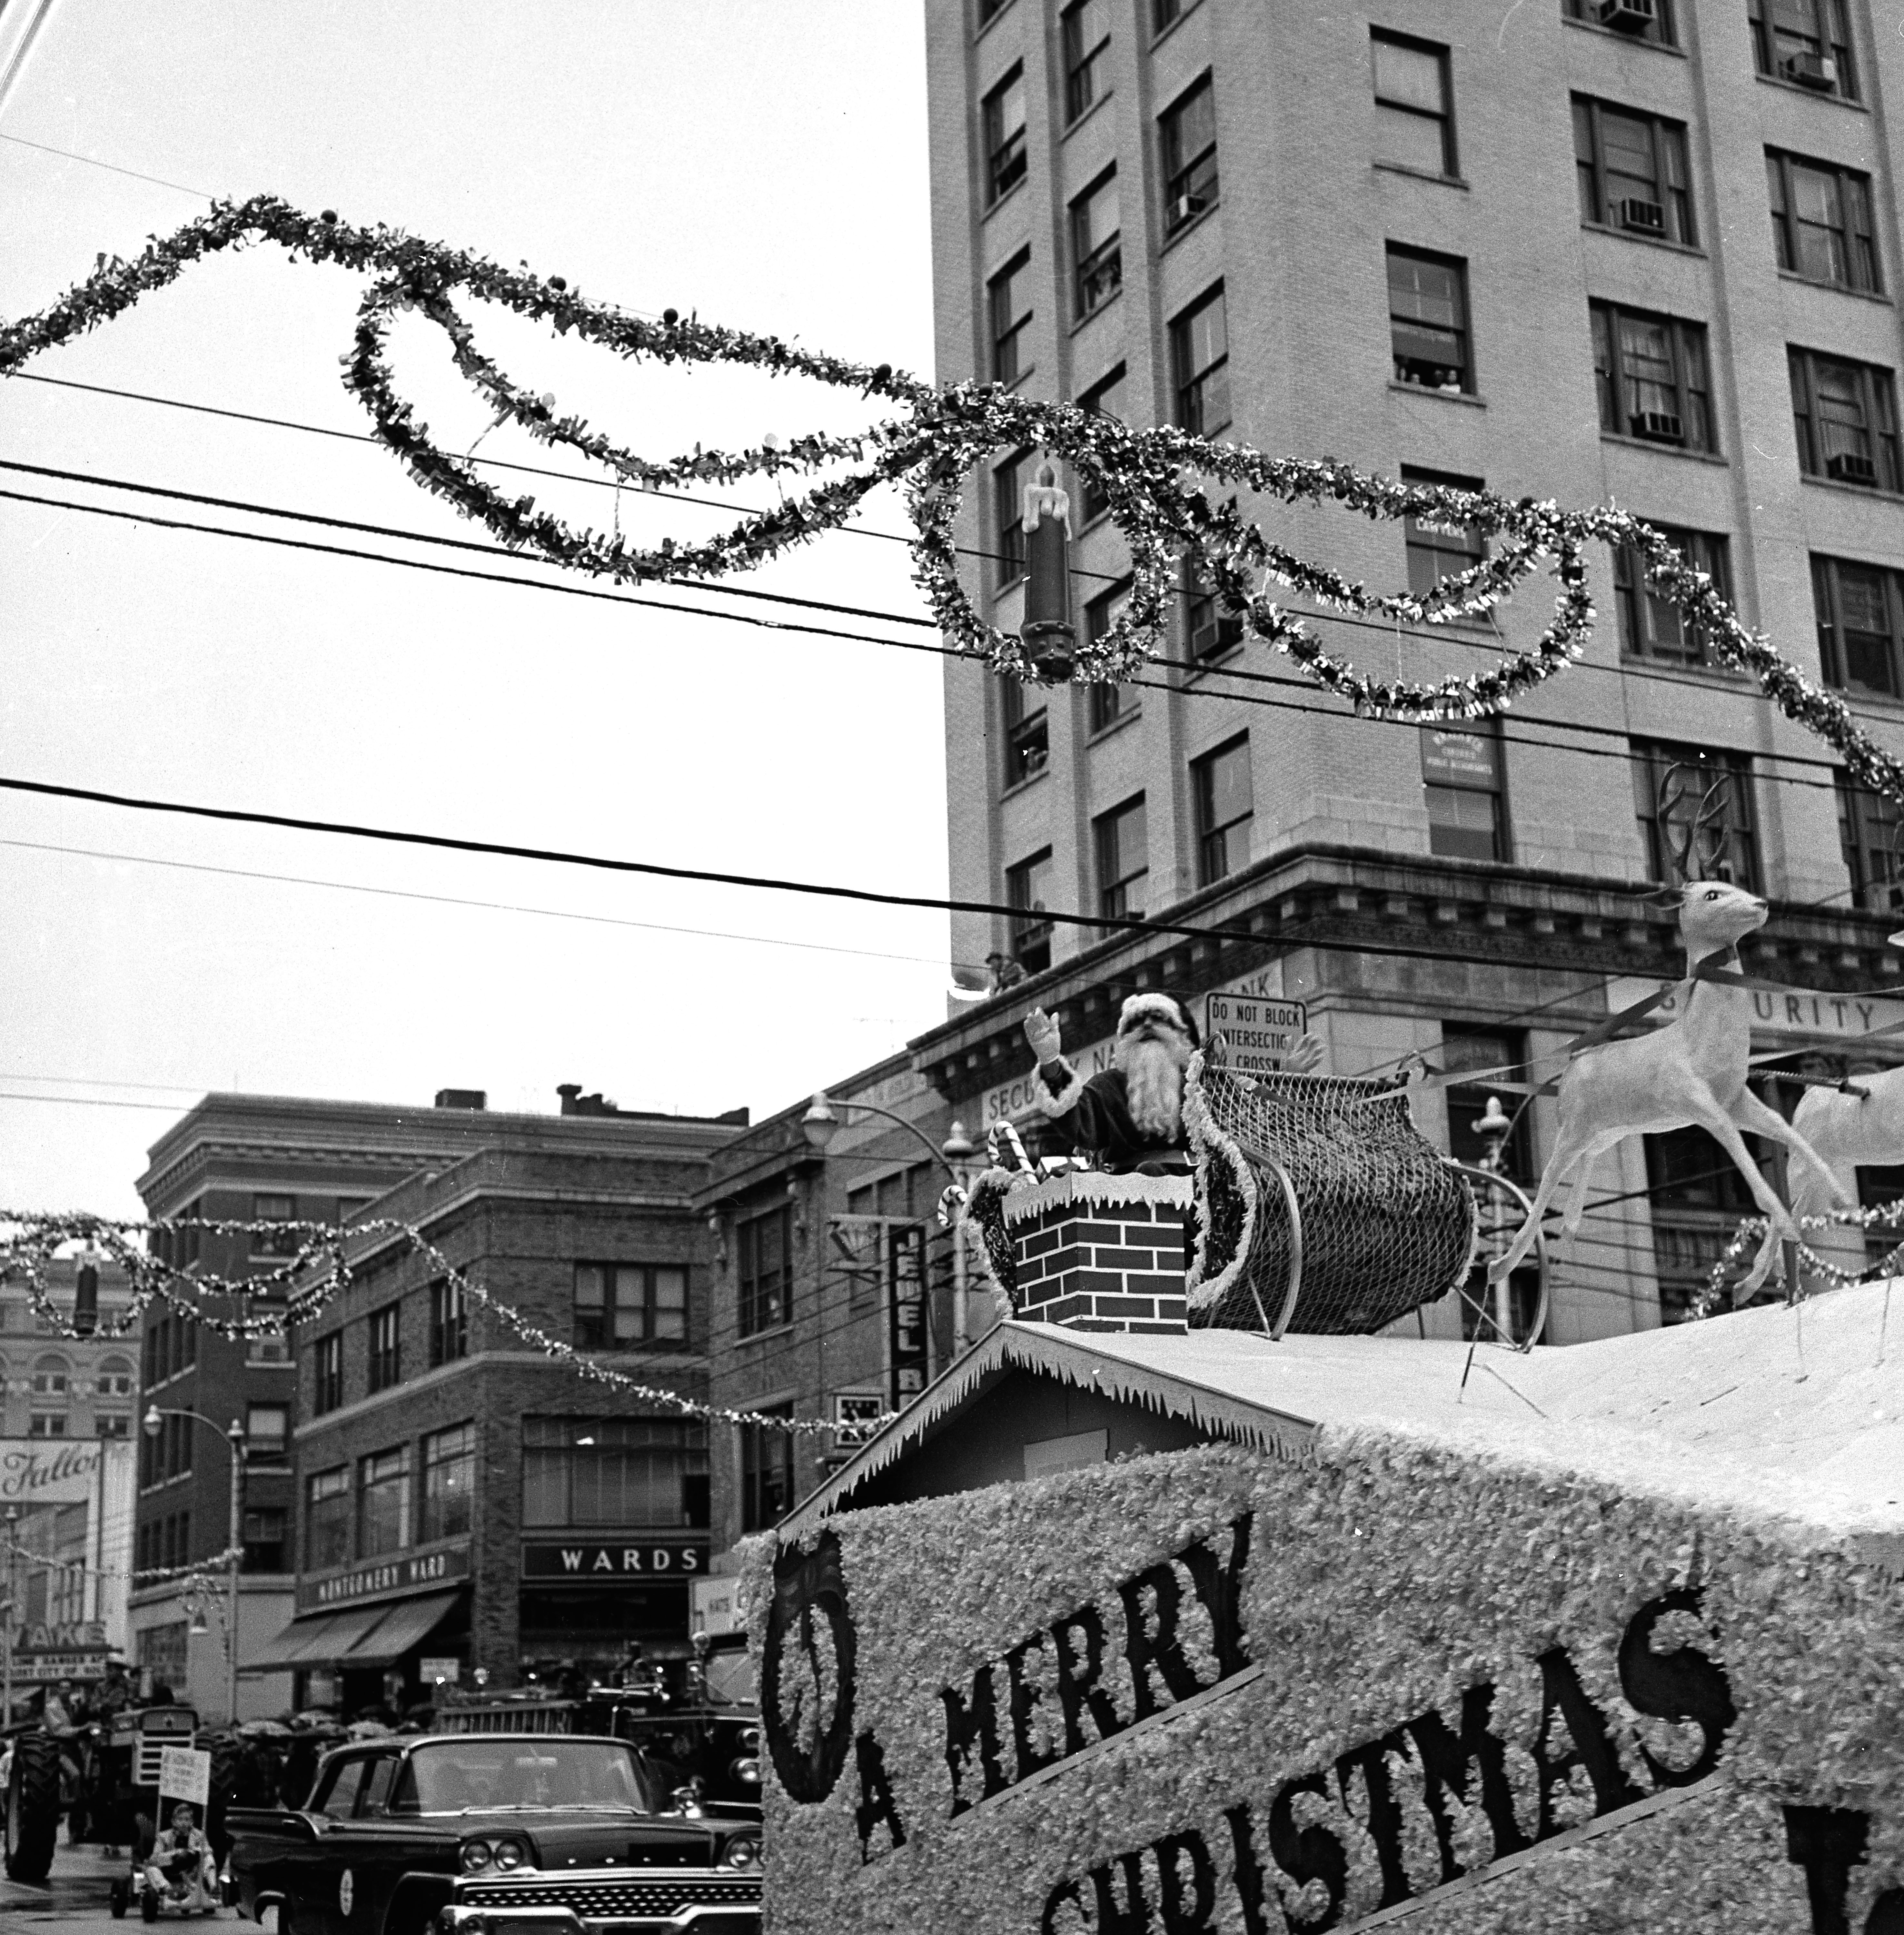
{"x":319,"y":1639}
{"x":405,"y":1624}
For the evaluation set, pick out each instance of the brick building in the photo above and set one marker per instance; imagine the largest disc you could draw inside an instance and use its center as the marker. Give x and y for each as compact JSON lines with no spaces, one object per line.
{"x":466,"y":1504}
{"x":1588,"y":250}
{"x":243,"y":1158}
{"x":835,"y":1293}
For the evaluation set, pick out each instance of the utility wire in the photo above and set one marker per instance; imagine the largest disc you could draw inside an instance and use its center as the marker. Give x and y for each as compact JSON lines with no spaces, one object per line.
{"x":112,"y":168}
{"x":1387,"y":630}
{"x":499,"y":906}
{"x":1627,"y":757}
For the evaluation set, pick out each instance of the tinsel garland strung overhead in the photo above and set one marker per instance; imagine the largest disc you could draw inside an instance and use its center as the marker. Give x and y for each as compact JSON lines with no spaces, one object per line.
{"x":29,"y":1238}
{"x":1155,"y":482}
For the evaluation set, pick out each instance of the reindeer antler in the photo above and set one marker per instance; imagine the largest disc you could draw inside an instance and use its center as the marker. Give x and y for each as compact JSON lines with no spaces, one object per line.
{"x":1695,"y":842}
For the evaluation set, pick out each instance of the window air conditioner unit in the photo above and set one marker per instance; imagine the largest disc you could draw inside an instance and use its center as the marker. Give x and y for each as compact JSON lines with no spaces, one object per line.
{"x":1658,"y":426}
{"x":1646,"y":217}
{"x":1848,"y":467}
{"x":1629,"y":16}
{"x":1810,"y":70}
{"x":1184,"y":207}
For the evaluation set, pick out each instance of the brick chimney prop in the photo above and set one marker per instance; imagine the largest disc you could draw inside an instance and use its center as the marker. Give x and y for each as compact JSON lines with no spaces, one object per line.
{"x":1098,"y":1252}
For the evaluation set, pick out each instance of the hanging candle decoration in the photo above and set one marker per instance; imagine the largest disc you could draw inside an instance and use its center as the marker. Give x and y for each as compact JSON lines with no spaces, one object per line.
{"x":1051,"y":639}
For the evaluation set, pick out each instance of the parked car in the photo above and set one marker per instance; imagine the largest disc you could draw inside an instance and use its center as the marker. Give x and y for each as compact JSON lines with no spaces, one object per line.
{"x":480,"y":1832}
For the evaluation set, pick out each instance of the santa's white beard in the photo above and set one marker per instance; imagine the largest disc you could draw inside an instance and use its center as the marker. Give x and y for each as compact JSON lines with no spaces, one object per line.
{"x":1153,"y":1082}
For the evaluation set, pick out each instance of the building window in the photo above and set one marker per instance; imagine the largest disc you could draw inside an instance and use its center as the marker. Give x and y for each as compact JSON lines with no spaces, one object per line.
{"x":46,"y":1424}
{"x":113,"y":1378}
{"x":1009,"y":293}
{"x":1861,"y":614}
{"x":267,"y":1433}
{"x":383,"y":1502}
{"x":1846,"y":417}
{"x":1199,"y":365}
{"x":1821,"y":221}
{"x":1427,"y":319}
{"x":1729,"y":846}
{"x":1210,"y":632}
{"x":1004,"y":135}
{"x":1641,"y":19}
{"x":1220,"y":789}
{"x":386,"y":1352}
{"x":1414,"y":104}
{"x":112,"y":1424}
{"x":273,"y":1209}
{"x":1438,"y":547}
{"x":1097,"y":245}
{"x":1187,"y":128}
{"x":1465,"y":794}
{"x":622,"y":1306}
{"x":1651,"y":373}
{"x":1653,"y":627}
{"x":990,"y":9}
{"x":50,"y":1376}
{"x":620,"y":1471}
{"x":1123,"y":860}
{"x":765,"y":1244}
{"x":327,"y":1373}
{"x":1632,"y":172}
{"x":449,"y":1322}
{"x":1107,"y":703}
{"x":1104,"y":398}
{"x":1084,"y":27}
{"x":766,"y":1471}
{"x":1027,"y":891}
{"x":1805,"y":41}
{"x":328,"y":1519}
{"x":449,"y":1482}
{"x":1008,"y":506}
{"x":1027,"y":731}
{"x":1871,"y":831}
{"x":1697,"y":1196}
{"x":264,"y":1531}
{"x":1164,"y":13}
{"x":349,"y":1208}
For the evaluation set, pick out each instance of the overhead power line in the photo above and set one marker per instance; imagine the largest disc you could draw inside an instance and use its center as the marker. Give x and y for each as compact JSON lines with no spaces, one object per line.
{"x":1622,"y":753}
{"x":111,"y":167}
{"x":498,"y":906}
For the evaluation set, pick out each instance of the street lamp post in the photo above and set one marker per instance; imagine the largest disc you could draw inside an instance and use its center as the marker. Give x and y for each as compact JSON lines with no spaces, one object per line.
{"x":821,"y":1120}
{"x":6,"y":1635}
{"x":234,"y":1435}
{"x":1493,"y":1125}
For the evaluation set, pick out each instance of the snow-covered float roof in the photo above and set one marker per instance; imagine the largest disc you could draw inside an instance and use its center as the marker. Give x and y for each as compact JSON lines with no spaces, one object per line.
{"x":1794,"y":1412}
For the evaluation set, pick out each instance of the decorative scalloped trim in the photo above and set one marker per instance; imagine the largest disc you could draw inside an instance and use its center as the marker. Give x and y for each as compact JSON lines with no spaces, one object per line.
{"x":1097,"y":1189}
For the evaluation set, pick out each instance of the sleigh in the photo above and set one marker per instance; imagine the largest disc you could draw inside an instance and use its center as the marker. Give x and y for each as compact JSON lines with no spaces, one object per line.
{"x":1320,"y":1208}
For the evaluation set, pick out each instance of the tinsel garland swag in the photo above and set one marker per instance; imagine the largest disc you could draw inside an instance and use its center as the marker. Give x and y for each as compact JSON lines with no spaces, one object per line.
{"x":1157,"y":483}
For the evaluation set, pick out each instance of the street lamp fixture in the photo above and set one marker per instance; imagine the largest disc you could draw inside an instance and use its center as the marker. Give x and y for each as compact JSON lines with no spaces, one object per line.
{"x":153,"y":1424}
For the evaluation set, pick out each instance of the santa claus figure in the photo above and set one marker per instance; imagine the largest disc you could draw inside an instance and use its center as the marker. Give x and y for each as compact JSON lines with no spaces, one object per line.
{"x":1130,"y":1117}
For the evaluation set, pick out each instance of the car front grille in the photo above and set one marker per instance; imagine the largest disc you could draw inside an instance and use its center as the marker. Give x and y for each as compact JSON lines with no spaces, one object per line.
{"x":621,"y":1900}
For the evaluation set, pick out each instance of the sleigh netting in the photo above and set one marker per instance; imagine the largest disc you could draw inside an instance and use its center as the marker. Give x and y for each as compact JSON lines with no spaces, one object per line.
{"x":1319,"y":1207}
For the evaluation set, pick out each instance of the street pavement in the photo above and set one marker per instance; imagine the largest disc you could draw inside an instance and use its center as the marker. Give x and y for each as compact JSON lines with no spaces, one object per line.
{"x":74,"y":1898}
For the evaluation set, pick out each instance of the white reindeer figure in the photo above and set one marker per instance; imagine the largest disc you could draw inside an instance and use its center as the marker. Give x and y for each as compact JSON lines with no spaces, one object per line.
{"x":1689,"y":1073}
{"x":1862,"y":1122}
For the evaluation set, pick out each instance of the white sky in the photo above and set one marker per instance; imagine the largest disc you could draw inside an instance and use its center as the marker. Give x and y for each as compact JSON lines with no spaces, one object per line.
{"x":763,"y":163}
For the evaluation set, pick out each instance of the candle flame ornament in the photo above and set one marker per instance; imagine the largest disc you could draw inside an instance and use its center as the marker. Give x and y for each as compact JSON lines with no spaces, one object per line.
{"x":1049,"y":636}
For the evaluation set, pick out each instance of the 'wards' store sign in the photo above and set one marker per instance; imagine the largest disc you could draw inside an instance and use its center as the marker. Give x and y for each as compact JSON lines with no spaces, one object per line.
{"x":1370,"y":1688}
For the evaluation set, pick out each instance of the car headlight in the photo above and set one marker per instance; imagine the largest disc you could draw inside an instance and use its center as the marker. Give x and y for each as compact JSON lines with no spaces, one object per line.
{"x":743,"y":1852}
{"x":750,"y":1740}
{"x":747,"y":1770}
{"x":475,"y":1855}
{"x":510,"y":1855}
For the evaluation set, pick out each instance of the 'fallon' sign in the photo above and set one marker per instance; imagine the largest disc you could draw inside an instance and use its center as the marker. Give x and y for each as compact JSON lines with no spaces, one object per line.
{"x":31,"y":1473}
{"x":388,"y":1578}
{"x":613,"y":1562}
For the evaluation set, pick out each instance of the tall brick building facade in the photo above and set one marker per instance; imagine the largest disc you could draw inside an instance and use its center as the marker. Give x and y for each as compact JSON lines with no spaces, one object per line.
{"x":1590,"y":252}
{"x":464,"y":1504}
